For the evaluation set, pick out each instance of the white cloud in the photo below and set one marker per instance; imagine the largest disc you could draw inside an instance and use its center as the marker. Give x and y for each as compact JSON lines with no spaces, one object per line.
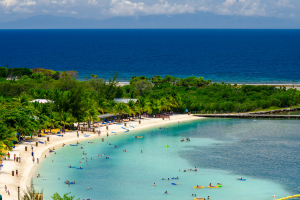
{"x":28,"y":3}
{"x":21,"y":10}
{"x":92,"y":2}
{"x":45,"y":11}
{"x":54,"y":2}
{"x":7,"y":3}
{"x":73,"y":12}
{"x":127,"y":8}
{"x":292,"y":15}
{"x":242,"y":7}
{"x":284,"y":3}
{"x":61,"y":11}
{"x":202,"y":8}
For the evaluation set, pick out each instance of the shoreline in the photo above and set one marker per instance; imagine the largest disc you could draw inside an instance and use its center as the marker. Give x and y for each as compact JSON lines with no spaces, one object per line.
{"x":26,"y":168}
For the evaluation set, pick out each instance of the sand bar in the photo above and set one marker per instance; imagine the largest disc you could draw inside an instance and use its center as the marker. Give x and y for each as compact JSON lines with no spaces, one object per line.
{"x":26,"y":168}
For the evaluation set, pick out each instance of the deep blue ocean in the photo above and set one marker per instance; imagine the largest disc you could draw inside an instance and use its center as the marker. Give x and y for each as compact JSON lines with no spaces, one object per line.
{"x":233,"y":56}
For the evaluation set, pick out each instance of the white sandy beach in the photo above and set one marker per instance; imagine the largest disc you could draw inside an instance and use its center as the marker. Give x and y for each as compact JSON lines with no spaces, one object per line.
{"x":26,"y":168}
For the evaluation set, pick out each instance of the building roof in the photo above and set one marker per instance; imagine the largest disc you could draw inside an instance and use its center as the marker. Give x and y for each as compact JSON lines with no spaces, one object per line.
{"x":119,"y":100}
{"x":42,"y":101}
{"x":106,"y":116}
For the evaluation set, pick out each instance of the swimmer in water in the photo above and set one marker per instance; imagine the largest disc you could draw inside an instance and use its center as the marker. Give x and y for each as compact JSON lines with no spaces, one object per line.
{"x":141,"y":151}
{"x":154,"y":184}
{"x":210,"y":184}
{"x":70,"y":166}
{"x":80,"y":168}
{"x":195,"y":168}
{"x":166,"y":192}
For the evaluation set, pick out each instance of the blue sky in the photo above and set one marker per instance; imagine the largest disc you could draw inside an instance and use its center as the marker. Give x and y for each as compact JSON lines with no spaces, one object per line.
{"x":102,"y":9}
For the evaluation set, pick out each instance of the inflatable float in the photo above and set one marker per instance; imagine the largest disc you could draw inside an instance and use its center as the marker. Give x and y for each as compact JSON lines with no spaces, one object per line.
{"x":73,"y":145}
{"x":69,"y":182}
{"x":213,"y":186}
{"x":138,"y":136}
{"x":199,"y":198}
{"x":167,"y":146}
{"x":198,"y":187}
{"x":241,"y":179}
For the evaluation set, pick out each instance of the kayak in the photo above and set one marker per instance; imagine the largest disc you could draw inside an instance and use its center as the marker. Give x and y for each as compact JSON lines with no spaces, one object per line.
{"x":213,"y":186}
{"x":241,"y":179}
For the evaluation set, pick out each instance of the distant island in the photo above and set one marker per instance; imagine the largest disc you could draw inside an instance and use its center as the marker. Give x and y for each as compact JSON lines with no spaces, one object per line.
{"x":197,"y":20}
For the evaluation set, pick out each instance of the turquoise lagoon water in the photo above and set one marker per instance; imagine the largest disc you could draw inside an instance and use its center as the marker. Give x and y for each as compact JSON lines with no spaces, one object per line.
{"x":267,"y":157}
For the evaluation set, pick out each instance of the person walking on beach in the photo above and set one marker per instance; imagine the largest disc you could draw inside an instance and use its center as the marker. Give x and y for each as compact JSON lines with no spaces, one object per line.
{"x":37,"y":161}
{"x":77,"y":134}
{"x":14,"y":157}
{"x":8,"y":155}
{"x":33,"y":159}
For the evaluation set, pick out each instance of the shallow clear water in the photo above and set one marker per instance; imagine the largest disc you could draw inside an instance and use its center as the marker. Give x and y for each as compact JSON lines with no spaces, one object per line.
{"x":267,"y":157}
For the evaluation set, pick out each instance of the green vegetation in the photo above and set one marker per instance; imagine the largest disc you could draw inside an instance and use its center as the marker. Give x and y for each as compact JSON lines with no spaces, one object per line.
{"x":56,"y":196}
{"x":83,"y":101}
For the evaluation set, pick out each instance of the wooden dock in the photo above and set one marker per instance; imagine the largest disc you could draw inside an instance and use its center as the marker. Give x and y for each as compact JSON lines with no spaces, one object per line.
{"x":249,"y":116}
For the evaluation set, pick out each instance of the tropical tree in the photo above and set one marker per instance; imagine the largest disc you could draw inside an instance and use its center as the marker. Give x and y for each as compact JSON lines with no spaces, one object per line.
{"x":65,"y":119}
{"x":53,"y":121}
{"x":30,"y":193}
{"x":43,"y":122}
{"x":91,"y":112}
{"x":56,"y":196}
{"x":121,"y":108}
{"x":7,"y":136}
{"x":24,"y":125}
{"x":132,"y":108}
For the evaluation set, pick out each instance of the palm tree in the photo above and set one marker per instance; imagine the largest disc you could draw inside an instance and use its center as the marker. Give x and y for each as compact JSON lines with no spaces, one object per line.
{"x":93,"y":76}
{"x":155,"y":105}
{"x":65,"y":119}
{"x":43,"y":122}
{"x":143,"y":106}
{"x":103,"y":106}
{"x":30,"y":193}
{"x":7,"y":135}
{"x":132,"y":108}
{"x":92,"y":115}
{"x":53,"y":121}
{"x":121,"y":108}
{"x":24,"y":126}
